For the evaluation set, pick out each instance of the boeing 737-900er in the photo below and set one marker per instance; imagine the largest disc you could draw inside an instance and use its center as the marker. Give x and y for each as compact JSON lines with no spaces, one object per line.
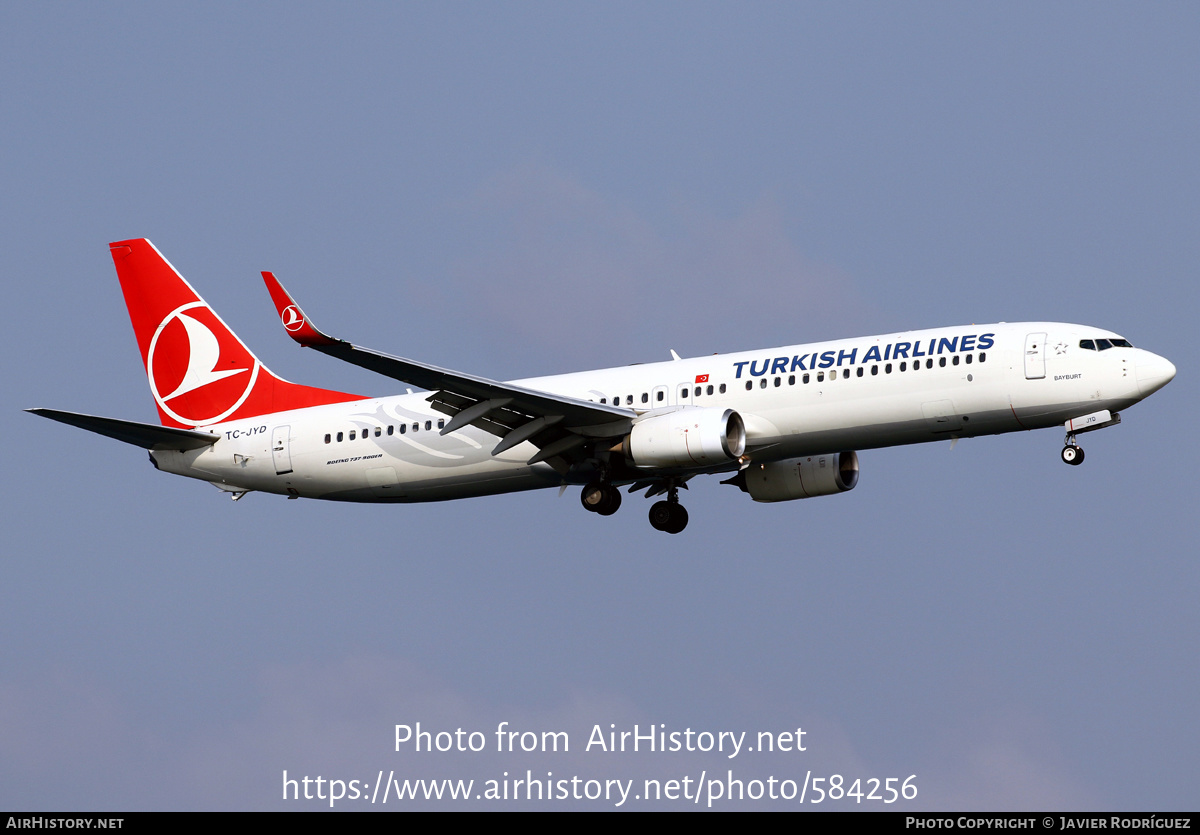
{"x":780,"y":423}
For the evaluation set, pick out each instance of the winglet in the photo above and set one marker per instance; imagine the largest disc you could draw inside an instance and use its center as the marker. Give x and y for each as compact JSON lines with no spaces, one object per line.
{"x":294,"y":321}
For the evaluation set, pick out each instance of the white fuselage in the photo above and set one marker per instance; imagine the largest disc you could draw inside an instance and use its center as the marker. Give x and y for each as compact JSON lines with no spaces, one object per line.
{"x":795,"y":401}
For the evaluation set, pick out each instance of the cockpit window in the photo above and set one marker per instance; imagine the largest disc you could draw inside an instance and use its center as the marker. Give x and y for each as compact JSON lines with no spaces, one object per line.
{"x":1104,"y":344}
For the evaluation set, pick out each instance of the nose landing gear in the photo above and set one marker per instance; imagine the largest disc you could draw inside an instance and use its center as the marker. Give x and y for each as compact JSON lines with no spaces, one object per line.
{"x":1072,"y":453}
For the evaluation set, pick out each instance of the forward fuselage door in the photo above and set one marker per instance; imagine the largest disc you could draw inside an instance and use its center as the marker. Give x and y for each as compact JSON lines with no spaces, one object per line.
{"x":1035,"y":356}
{"x":281,"y":453}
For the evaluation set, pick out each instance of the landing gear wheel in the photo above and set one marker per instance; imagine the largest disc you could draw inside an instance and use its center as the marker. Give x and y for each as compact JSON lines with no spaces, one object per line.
{"x":1072,"y":455}
{"x":669,"y":517}
{"x":600,"y":497}
{"x":660,"y":515}
{"x":679,"y":519}
{"x":612,"y":501}
{"x":592,"y":496}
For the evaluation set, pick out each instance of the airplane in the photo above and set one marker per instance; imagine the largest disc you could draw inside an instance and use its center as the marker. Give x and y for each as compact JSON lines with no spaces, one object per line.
{"x":782,"y":423}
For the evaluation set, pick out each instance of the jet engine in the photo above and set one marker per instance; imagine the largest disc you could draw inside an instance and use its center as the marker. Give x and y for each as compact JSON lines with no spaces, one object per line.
{"x":800,"y":478}
{"x":690,"y":437}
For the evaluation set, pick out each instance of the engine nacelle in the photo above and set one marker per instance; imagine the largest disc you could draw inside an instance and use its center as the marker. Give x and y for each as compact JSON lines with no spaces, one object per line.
{"x":802,"y":478}
{"x":689,"y":437}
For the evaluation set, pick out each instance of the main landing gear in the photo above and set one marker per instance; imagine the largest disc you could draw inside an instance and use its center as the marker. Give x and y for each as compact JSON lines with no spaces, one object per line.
{"x":600,"y":497}
{"x":1072,"y":453}
{"x":669,"y":516}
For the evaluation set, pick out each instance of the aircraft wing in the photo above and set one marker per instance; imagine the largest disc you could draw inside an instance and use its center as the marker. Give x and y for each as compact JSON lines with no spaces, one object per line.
{"x":145,"y":435}
{"x":557,"y":425}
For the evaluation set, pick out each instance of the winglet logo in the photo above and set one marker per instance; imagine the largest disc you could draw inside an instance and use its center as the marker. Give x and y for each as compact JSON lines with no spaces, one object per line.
{"x":293,"y":318}
{"x":184,"y":357}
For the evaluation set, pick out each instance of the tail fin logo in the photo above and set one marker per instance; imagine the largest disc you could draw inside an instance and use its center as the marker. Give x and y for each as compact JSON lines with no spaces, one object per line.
{"x":194,"y":378}
{"x":293,"y":318}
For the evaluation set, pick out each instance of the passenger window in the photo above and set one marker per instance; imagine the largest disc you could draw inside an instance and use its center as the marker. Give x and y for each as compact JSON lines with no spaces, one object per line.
{"x":955,"y":360}
{"x":982,"y":356}
{"x":833,"y":374}
{"x":791,"y":379}
{"x":352,"y":434}
{"x":762,"y":384}
{"x":722,"y":389}
{"x":708,"y":390}
{"x":684,"y":391}
{"x":339,"y":437}
{"x":874,"y":370}
{"x":778,"y":382}
{"x":749,"y":385}
{"x":327,"y":438}
{"x":929,"y":363}
{"x":428,"y":425}
{"x":969,"y":358}
{"x":903,"y":366}
{"x":629,"y":400}
{"x":658,"y":396}
{"x":416,"y":427}
{"x":378,"y":431}
{"x":942,"y":362}
{"x":887,"y":369}
{"x":645,"y":397}
{"x":820,"y":376}
{"x":697,"y":391}
{"x":403,"y":428}
{"x":860,"y":371}
{"x":441,"y":423}
{"x":804,"y":379}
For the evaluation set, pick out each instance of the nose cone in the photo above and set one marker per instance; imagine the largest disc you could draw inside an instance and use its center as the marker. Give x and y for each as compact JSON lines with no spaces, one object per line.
{"x":1153,"y":372}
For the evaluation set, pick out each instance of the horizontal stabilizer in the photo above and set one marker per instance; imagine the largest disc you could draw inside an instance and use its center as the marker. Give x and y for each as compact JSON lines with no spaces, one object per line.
{"x":145,"y":435}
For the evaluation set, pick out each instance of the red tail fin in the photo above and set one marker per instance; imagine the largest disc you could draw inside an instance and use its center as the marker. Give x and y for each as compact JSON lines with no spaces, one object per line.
{"x":200,"y":372}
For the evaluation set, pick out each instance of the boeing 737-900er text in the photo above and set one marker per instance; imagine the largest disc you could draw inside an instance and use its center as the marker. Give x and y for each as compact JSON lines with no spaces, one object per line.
{"x":780,"y":423}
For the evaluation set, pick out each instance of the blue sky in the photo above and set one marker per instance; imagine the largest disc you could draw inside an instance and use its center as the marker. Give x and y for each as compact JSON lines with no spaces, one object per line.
{"x":523,"y":189}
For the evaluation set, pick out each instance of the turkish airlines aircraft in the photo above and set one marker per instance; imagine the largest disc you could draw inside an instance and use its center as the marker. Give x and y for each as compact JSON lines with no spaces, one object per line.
{"x":782,"y":423}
